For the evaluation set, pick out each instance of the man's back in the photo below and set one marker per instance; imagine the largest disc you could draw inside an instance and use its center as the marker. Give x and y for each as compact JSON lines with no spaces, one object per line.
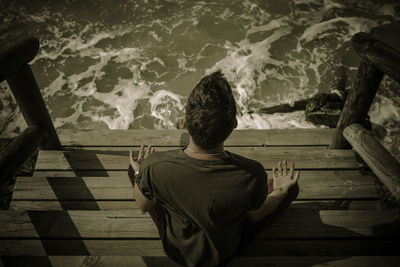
{"x":206,"y":202}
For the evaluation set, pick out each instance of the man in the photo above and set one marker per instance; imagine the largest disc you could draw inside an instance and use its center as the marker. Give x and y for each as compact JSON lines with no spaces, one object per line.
{"x":206,"y":202}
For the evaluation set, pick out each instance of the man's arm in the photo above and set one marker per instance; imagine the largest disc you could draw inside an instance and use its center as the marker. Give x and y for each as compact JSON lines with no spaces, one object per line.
{"x":142,"y":202}
{"x":282,"y":183}
{"x":270,"y":204}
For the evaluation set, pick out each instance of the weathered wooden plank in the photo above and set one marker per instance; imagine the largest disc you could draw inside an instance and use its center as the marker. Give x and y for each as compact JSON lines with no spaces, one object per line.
{"x":358,"y":101}
{"x":272,"y":137}
{"x":66,"y":261}
{"x":117,"y":160}
{"x":124,"y":173}
{"x":128,"y":224}
{"x":313,"y":185}
{"x":383,"y":56}
{"x":347,"y":204}
{"x":16,"y":56}
{"x":316,"y":261}
{"x":381,"y":162}
{"x":149,"y":248}
{"x":73,"y":205}
{"x":31,"y":104}
{"x":75,"y":173}
{"x":334,"y":224}
{"x":37,"y":247}
{"x":17,"y":151}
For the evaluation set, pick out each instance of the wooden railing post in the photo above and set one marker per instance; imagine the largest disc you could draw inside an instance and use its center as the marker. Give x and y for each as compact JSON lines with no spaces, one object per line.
{"x":30,"y":101}
{"x":17,"y":151}
{"x":15,"y":69}
{"x":358,"y":101}
{"x":381,"y":162}
{"x":378,"y":59}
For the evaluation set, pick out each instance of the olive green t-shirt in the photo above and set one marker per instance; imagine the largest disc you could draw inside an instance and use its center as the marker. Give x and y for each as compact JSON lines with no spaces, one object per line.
{"x":206,"y":202}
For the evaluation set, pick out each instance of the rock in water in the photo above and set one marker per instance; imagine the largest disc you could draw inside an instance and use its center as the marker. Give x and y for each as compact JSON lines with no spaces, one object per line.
{"x":324,"y":109}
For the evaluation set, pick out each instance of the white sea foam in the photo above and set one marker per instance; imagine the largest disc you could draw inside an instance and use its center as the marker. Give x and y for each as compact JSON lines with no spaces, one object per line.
{"x":268,"y":58}
{"x":322,"y":29}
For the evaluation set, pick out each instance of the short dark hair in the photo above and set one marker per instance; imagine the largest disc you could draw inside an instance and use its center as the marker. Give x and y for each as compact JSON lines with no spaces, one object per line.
{"x":211,"y":111}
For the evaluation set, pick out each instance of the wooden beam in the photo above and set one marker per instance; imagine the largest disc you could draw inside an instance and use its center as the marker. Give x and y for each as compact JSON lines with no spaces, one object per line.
{"x":17,"y":151}
{"x":292,"y":224}
{"x":381,"y":162}
{"x":29,"y":99}
{"x":358,"y":101}
{"x":137,"y":261}
{"x":16,"y":56}
{"x":382,"y":56}
{"x":267,"y":156}
{"x":336,"y":204}
{"x":272,"y":137}
{"x":313,"y":185}
{"x":153,"y":248}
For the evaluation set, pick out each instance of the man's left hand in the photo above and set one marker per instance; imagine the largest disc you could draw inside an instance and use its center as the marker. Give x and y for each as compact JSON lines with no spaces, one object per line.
{"x":142,"y":155}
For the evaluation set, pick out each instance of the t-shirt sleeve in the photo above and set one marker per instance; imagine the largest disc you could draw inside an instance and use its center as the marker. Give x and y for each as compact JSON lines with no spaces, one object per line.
{"x":143,"y":181}
{"x":259,"y":190}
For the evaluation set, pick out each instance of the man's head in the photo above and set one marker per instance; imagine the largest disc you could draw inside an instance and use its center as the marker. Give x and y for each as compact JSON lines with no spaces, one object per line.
{"x":211,"y":111}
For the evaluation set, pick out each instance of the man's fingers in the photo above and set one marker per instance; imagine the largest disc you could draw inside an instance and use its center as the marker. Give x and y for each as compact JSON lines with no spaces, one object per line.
{"x":273,"y":172}
{"x":280,"y":168}
{"x":147,"y":151}
{"x":291,"y":169}
{"x":296,"y":176}
{"x":153,"y":149}
{"x":284,"y":168}
{"x":141,"y":151}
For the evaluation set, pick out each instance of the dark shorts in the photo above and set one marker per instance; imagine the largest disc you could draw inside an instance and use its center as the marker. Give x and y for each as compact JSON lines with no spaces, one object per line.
{"x":251,"y":229}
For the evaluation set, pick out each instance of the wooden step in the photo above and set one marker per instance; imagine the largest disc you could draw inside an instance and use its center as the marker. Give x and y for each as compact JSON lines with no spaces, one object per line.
{"x":110,"y":261}
{"x":130,"y":224}
{"x":295,"y":233}
{"x":322,"y":184}
{"x":148,"y":248}
{"x":273,"y":137}
{"x":337,"y":204}
{"x":267,"y":156}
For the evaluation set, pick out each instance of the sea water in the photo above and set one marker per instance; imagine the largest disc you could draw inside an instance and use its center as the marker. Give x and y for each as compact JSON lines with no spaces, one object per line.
{"x":132,"y":64}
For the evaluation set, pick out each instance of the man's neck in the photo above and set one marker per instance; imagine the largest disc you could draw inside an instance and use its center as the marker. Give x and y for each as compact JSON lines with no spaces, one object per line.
{"x":199,"y":152}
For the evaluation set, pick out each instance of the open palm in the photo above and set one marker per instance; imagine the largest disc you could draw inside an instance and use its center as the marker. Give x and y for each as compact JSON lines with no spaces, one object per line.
{"x":284,"y":179}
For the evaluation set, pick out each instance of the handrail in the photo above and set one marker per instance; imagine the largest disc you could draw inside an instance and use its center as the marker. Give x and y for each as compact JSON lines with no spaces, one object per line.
{"x":382,"y":56}
{"x":18,"y":55}
{"x":22,"y":82}
{"x":378,"y":59}
{"x":381,"y":162}
{"x":17,"y":151}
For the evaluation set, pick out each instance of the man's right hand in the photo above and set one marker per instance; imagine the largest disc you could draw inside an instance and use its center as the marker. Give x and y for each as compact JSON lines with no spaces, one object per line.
{"x":284,"y":180}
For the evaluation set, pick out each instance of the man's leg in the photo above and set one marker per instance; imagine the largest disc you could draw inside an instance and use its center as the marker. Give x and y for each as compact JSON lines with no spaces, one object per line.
{"x":293,"y":192}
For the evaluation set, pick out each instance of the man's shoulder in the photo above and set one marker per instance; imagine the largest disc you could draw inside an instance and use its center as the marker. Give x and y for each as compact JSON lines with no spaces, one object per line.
{"x":160,"y":156}
{"x":247,"y":163}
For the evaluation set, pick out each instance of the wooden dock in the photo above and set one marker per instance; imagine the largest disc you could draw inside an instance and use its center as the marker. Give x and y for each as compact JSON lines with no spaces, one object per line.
{"x":78,"y":208}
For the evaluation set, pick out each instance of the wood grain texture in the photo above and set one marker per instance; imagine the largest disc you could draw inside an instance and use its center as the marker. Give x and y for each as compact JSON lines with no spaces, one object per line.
{"x":17,"y":151}
{"x":313,"y":185}
{"x":336,"y":204}
{"x":267,"y":156}
{"x":381,"y":162}
{"x":16,"y":56}
{"x":151,"y":248}
{"x":30,"y":101}
{"x":75,"y":224}
{"x":273,"y":137}
{"x":383,"y":56}
{"x":358,"y":101}
{"x":109,"y":261}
